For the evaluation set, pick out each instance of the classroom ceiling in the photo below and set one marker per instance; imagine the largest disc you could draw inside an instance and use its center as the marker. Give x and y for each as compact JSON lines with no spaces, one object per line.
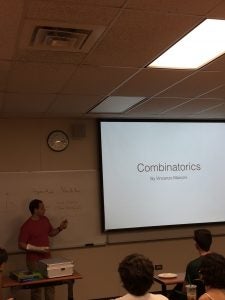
{"x":116,"y":40}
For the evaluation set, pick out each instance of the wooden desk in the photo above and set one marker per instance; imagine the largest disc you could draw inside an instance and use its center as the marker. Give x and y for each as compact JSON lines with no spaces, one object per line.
{"x":169,"y":281}
{"x":69,"y":280}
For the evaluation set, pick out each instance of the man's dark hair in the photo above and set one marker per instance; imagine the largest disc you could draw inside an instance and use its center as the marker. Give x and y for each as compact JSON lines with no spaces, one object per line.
{"x":34,"y":204}
{"x":203,"y":238}
{"x":136,"y":273}
{"x":213,"y":270}
{"x":3,"y":256}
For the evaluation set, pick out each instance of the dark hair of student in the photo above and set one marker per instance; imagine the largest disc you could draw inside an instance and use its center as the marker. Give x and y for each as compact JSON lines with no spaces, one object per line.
{"x":3,"y":256}
{"x":34,"y":204}
{"x":136,"y":273}
{"x":212,"y":270}
{"x":203,"y":238}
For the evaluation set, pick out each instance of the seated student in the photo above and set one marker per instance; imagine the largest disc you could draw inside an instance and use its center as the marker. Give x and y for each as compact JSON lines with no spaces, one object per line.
{"x":136,"y":273}
{"x":212,"y":272}
{"x":203,"y":241}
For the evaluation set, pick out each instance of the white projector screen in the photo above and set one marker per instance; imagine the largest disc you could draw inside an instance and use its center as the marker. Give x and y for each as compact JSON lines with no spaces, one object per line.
{"x":162,"y":173}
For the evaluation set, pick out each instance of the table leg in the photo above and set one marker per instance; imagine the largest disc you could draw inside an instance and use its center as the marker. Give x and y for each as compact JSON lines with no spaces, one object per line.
{"x":164,"y":290}
{"x":70,"y":285}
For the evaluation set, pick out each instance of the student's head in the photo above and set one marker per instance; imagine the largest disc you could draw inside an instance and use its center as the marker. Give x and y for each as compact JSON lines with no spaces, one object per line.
{"x":212,"y":270}
{"x":3,"y":256}
{"x":136,"y":273}
{"x":36,"y":207}
{"x":203,"y":239}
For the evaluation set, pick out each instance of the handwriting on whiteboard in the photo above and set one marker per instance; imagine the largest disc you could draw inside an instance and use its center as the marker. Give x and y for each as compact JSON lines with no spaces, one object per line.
{"x":63,"y":189}
{"x":68,"y":193}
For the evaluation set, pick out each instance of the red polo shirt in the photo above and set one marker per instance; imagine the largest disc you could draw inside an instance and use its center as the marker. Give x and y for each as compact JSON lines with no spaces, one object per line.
{"x":36,"y":232}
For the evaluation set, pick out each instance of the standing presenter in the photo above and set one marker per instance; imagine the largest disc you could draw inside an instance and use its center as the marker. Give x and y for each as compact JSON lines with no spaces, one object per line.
{"x":34,"y":239}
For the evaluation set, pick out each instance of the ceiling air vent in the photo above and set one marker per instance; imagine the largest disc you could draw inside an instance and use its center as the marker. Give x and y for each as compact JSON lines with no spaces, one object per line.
{"x":64,"y":39}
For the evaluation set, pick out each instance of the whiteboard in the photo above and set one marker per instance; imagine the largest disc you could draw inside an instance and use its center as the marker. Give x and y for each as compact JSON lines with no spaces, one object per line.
{"x":74,"y":195}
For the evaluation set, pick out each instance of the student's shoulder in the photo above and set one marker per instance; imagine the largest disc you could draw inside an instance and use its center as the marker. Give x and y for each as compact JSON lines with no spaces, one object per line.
{"x":151,"y":297}
{"x":124,"y":297}
{"x":204,"y":297}
{"x":195,"y":261}
{"x":157,"y":297}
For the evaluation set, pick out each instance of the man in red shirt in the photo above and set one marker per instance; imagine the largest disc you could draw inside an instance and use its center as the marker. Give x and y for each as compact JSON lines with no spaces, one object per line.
{"x":34,"y":239}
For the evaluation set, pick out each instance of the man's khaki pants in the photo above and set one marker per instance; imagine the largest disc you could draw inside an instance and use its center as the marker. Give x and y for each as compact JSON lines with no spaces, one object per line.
{"x":37,"y":293}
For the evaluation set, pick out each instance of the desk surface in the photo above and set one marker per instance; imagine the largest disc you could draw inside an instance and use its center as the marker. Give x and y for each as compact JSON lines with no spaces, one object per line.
{"x":8,"y":282}
{"x":168,"y":281}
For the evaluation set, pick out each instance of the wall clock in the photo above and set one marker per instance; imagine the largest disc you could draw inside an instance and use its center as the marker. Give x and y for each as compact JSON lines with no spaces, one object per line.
{"x":58,"y":140}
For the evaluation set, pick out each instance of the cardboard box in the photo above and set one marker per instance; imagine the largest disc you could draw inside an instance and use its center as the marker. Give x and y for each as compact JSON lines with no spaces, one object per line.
{"x":56,"y":267}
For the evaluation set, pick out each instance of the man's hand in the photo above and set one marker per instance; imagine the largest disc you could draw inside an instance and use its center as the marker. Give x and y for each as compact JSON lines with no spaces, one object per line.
{"x":57,"y":230}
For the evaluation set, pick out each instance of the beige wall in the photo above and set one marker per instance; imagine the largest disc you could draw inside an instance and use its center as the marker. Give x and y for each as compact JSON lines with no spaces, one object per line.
{"x":24,"y":148}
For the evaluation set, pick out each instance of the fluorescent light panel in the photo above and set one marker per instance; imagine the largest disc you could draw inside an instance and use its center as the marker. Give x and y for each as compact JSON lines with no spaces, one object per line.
{"x":197,"y":48}
{"x":116,"y":104}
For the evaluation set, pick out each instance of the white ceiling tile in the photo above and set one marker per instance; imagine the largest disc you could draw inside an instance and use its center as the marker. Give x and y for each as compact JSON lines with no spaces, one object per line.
{"x":90,"y":80}
{"x":135,"y":40}
{"x":26,"y":55}
{"x":216,"y":93}
{"x":10,"y":16}
{"x":74,"y":104}
{"x":197,"y":84}
{"x":27,"y":103}
{"x":199,"y":7}
{"x":218,"y":12}
{"x":194,"y":107}
{"x":116,"y":104}
{"x":216,"y":112}
{"x":149,"y":82}
{"x":156,"y":106}
{"x":110,"y":3}
{"x":38,"y":78}
{"x":216,"y":65}
{"x":70,"y":13}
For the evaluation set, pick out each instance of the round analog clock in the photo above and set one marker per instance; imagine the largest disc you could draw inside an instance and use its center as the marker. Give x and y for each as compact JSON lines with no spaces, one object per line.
{"x":58,"y":140}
